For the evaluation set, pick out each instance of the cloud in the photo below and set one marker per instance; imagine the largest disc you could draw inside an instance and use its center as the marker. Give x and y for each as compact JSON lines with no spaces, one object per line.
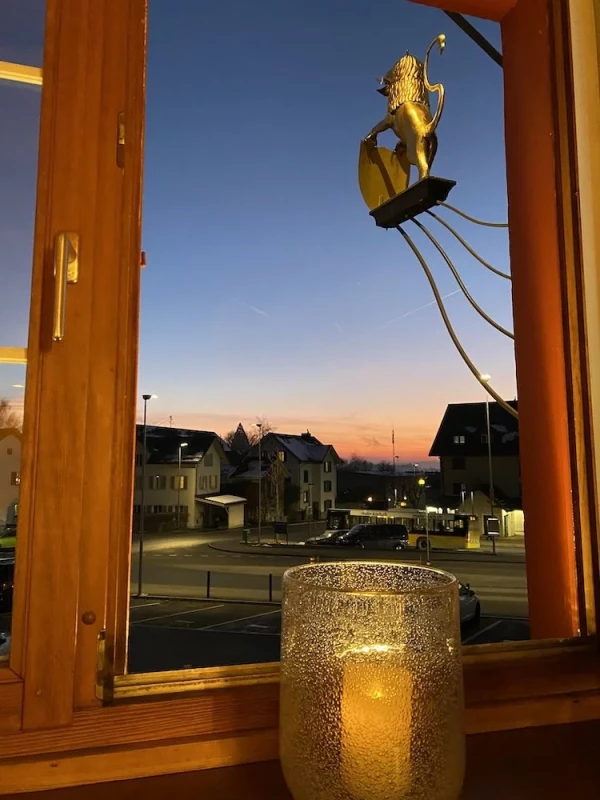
{"x":256,"y":310}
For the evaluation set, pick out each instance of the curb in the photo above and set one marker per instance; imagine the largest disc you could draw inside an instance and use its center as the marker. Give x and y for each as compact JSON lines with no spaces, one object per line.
{"x":301,"y":552}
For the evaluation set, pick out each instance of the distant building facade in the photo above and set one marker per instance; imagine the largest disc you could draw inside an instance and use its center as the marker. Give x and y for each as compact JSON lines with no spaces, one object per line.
{"x":461,"y":444}
{"x":311,"y":468}
{"x":188,"y":499}
{"x":10,"y":473}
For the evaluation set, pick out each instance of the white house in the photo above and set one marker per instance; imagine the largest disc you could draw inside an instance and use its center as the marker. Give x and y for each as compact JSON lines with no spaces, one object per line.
{"x":190,"y":498}
{"x":312,"y":467}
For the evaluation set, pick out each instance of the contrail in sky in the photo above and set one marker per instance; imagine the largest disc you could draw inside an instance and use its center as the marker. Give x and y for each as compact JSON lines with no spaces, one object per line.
{"x":416,"y":310}
{"x":253,"y":308}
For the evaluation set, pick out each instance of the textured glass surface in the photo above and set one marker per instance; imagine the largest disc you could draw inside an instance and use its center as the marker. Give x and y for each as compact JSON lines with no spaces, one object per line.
{"x":371,"y":683}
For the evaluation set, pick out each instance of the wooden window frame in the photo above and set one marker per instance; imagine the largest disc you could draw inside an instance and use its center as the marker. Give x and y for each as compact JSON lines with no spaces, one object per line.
{"x":72,"y":717}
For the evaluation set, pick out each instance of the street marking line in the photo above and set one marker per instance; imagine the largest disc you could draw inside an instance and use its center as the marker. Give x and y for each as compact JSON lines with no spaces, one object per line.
{"x":144,"y":605}
{"x":241,"y":619}
{"x":181,"y":613}
{"x":482,"y":631}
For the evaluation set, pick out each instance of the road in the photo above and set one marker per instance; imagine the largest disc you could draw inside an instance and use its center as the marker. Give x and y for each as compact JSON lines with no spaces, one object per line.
{"x":178,"y":566}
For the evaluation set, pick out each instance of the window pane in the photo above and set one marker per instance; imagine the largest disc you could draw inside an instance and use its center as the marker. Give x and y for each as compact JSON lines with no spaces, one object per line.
{"x":21,"y":45}
{"x":251,"y":203}
{"x":12,"y":387}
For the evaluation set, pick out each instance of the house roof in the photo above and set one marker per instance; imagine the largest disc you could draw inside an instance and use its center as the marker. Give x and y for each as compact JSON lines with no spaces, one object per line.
{"x":469,"y":420}
{"x":305,"y":447}
{"x":222,"y":500}
{"x":163,"y":444}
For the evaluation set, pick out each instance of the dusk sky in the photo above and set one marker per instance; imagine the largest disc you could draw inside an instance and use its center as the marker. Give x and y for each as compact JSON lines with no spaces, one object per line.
{"x":269,"y":291}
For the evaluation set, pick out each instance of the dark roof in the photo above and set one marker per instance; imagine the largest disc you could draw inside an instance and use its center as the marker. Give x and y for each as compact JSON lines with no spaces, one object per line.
{"x":163,"y":444}
{"x":469,"y":420}
{"x":305,"y":447}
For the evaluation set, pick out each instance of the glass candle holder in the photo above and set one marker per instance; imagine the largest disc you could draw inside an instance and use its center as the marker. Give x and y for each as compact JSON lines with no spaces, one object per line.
{"x":371,"y":683}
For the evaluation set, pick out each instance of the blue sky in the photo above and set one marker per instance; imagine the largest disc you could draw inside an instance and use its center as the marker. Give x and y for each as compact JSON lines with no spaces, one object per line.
{"x":269,"y":291}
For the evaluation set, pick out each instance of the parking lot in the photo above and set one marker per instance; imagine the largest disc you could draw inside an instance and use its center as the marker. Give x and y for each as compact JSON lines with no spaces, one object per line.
{"x":168,"y":634}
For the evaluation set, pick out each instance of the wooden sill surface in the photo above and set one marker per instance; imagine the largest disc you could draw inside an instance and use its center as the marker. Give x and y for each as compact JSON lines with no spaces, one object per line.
{"x":529,"y":764}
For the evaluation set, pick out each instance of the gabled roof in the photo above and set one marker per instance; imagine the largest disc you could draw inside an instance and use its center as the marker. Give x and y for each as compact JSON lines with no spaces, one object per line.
{"x":305,"y":447}
{"x":469,"y":420}
{"x":163,"y":444}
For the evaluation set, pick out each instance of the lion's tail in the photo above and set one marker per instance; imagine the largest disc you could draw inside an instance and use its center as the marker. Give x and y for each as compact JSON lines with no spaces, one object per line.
{"x":436,"y":87}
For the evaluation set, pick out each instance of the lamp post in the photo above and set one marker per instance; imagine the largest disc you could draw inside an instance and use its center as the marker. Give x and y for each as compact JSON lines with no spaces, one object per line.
{"x":259,"y":426}
{"x":145,"y":397}
{"x":396,"y":458}
{"x":179,"y":449}
{"x":421,"y":482}
{"x":485,"y":379}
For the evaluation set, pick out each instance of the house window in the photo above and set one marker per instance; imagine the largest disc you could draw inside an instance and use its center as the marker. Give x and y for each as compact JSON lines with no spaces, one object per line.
{"x":212,"y":482}
{"x":305,"y":476}
{"x":327,"y":505}
{"x":15,"y":479}
{"x":457,"y":488}
{"x":157,"y":482}
{"x":281,"y":455}
{"x":459,"y":463}
{"x":305,"y":497}
{"x":327,"y":466}
{"x":459,"y":440}
{"x":327,"y":487}
{"x":183,"y":482}
{"x":9,"y":451}
{"x":208,"y":460}
{"x":203,"y":482}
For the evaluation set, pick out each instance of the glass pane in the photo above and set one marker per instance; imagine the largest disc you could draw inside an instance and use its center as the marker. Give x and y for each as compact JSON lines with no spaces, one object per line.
{"x":296,"y":367}
{"x":12,"y":388}
{"x":21,"y":46}
{"x":22,"y":31}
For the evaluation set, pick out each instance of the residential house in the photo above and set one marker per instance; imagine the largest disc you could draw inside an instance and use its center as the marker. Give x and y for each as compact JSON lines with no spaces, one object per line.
{"x":461,"y":444}
{"x":271,"y":478}
{"x":10,"y":473}
{"x":312,"y":470}
{"x":186,"y":498}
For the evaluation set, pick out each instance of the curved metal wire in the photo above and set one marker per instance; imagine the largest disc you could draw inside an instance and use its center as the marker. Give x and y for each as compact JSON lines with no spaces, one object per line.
{"x":459,"y":280}
{"x":469,"y":248}
{"x":438,"y":298}
{"x":474,"y":219}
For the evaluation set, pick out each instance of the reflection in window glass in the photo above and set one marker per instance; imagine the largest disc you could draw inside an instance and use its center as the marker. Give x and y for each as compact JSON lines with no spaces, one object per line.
{"x":21,"y":42}
{"x":273,"y":313}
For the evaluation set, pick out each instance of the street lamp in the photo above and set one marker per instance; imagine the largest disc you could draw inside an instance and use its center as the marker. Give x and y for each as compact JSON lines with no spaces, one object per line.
{"x":259,"y":426}
{"x":485,"y":379}
{"x":145,"y":397}
{"x":421,"y":483}
{"x":179,"y":449}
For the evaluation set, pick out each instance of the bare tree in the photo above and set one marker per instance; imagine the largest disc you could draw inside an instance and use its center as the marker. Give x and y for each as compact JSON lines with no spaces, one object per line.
{"x":256,"y":432}
{"x":9,"y":418}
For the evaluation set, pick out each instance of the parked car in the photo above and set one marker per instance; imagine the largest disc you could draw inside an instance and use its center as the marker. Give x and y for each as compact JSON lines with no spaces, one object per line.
{"x":7,"y":575}
{"x":367,"y":537}
{"x":470,"y":607}
{"x":4,"y":645}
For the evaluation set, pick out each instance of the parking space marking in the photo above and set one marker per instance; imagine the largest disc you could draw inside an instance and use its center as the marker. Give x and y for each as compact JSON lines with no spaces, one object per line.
{"x":481,"y":631}
{"x":240,"y":619}
{"x":181,"y":613}
{"x":144,"y":605}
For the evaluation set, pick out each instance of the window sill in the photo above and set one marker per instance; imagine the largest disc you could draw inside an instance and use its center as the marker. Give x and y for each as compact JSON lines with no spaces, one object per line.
{"x":531,"y":773}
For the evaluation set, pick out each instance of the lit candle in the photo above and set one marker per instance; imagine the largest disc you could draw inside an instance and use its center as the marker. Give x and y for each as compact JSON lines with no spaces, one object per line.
{"x":376,"y":721}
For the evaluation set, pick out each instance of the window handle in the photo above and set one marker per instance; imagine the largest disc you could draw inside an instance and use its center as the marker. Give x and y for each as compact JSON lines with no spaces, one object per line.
{"x":66,"y":270}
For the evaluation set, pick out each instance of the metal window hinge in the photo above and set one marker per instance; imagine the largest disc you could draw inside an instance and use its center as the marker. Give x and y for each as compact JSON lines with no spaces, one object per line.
{"x":104,"y":671}
{"x":121,"y":140}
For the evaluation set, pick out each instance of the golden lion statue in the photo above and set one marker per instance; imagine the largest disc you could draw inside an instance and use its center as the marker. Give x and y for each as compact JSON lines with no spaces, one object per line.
{"x":407,"y":88}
